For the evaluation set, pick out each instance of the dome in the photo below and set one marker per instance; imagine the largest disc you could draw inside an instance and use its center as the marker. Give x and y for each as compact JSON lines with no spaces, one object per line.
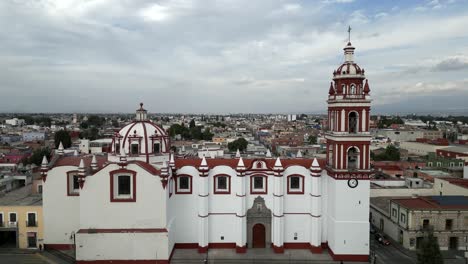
{"x":348,"y":68}
{"x":141,"y":138}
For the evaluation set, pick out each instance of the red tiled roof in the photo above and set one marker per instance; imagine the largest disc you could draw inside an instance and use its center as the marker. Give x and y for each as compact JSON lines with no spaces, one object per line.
{"x":148,"y":167}
{"x":75,"y":161}
{"x":248,"y":162}
{"x":460,"y":182}
{"x":426,"y":202}
{"x":387,"y":167}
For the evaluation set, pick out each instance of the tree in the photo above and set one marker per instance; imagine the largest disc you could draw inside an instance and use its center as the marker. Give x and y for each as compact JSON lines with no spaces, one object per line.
{"x":429,"y":252}
{"x":115,"y":123}
{"x":391,"y":153}
{"x":192,"y":123}
{"x":64,"y":137}
{"x":37,"y":155}
{"x":96,"y":121}
{"x":312,"y":139}
{"x":207,"y":135}
{"x":238,"y":144}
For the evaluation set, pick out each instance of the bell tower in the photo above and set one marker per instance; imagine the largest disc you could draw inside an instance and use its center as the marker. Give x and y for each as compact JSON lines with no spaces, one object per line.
{"x":348,"y":137}
{"x":348,"y":168}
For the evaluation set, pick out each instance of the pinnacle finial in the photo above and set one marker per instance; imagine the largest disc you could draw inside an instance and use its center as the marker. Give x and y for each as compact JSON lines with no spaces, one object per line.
{"x":299,"y":154}
{"x":44,"y":161}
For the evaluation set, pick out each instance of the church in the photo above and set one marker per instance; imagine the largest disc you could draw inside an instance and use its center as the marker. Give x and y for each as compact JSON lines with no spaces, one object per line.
{"x":139,"y":203}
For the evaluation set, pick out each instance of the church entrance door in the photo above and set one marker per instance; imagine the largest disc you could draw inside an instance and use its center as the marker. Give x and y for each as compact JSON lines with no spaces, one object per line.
{"x":259,"y":238}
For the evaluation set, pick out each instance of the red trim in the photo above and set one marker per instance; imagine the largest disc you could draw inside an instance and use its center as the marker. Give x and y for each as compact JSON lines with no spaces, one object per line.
{"x":241,"y":250}
{"x":265,"y":183}
{"x":302,"y":182}
{"x":118,"y":171}
{"x":296,"y":245}
{"x":69,"y":173}
{"x":130,"y":261}
{"x":126,"y":134}
{"x":177,"y":184}
{"x":215,"y":183}
{"x":128,"y":230}
{"x":278,"y":250}
{"x":185,"y":245}
{"x":58,"y":246}
{"x":222,"y":245}
{"x":202,"y":249}
{"x":146,"y":143}
{"x":315,"y":249}
{"x":348,"y":257}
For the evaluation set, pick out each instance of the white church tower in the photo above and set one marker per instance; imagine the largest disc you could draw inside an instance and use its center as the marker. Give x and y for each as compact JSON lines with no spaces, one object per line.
{"x":348,"y":161}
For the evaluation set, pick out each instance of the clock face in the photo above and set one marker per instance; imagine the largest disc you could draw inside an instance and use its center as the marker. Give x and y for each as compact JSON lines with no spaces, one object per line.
{"x":352,"y":183}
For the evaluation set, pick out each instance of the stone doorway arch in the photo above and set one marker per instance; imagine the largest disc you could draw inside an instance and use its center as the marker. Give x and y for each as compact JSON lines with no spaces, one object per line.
{"x":259,"y":224}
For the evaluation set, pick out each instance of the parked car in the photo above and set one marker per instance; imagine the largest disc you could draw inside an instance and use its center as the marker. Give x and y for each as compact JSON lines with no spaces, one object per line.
{"x":381,"y":239}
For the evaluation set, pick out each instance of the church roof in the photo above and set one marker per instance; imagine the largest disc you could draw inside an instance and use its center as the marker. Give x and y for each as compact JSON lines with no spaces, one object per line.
{"x":195,"y":162}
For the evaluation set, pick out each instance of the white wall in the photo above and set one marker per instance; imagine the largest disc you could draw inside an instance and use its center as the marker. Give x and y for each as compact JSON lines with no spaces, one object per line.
{"x":348,"y":217}
{"x":122,"y":246}
{"x":97,"y":211}
{"x":61,"y":212}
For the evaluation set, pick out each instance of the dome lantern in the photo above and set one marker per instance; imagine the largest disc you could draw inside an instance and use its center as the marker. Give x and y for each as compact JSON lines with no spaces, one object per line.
{"x":141,"y":113}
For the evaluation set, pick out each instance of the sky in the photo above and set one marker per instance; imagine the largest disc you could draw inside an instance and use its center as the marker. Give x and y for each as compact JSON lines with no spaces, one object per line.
{"x":228,"y":56}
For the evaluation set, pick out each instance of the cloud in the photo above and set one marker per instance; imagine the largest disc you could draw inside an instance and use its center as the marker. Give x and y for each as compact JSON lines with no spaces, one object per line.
{"x":337,"y":1}
{"x":452,"y":64}
{"x":66,"y":55}
{"x":381,"y":15}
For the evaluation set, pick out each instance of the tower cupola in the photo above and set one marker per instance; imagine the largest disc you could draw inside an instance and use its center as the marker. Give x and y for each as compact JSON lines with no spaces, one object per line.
{"x":141,"y":113}
{"x":349,"y":52}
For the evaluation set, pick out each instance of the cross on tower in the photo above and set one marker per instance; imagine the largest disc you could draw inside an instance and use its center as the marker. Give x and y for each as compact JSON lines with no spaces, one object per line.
{"x":349,"y":33}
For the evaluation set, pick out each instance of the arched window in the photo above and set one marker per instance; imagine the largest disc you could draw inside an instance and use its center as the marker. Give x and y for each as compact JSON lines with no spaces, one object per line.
{"x":353,"y":89}
{"x":353,"y":158}
{"x":344,"y":88}
{"x":353,"y":122}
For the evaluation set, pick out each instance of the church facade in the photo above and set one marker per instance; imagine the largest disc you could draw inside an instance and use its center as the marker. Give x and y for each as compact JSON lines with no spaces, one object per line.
{"x":140,"y":203}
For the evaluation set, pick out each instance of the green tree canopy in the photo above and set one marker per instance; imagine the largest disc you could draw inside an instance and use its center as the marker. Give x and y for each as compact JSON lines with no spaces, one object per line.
{"x":37,"y":155}
{"x":238,"y":144}
{"x":429,"y":252}
{"x":64,"y":137}
{"x":312,"y":139}
{"x":391,"y":153}
{"x":386,"y":122}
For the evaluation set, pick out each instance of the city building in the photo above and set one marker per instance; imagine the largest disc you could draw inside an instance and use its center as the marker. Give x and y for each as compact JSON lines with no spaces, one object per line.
{"x":21,"y":224}
{"x":139,"y":203}
{"x":406,"y":219}
{"x":15,"y":122}
{"x":34,"y":136}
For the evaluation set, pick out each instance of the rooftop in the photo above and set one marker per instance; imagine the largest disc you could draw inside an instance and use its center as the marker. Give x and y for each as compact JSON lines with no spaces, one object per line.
{"x":21,"y":197}
{"x":446,"y":202}
{"x":382,"y":203}
{"x":459,"y":182}
{"x":458,"y":149}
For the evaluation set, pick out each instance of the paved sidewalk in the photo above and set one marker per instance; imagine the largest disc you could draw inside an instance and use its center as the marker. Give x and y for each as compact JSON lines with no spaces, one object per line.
{"x":253,"y":256}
